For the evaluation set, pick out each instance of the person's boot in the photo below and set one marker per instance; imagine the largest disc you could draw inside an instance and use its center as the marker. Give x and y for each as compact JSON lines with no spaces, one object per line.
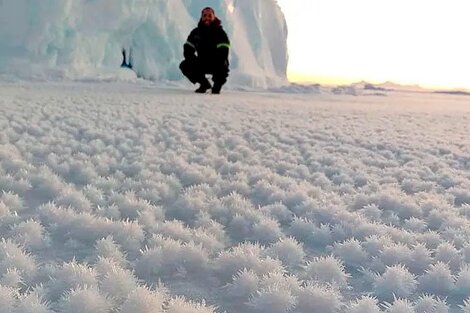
{"x":204,"y":86}
{"x":216,"y":89}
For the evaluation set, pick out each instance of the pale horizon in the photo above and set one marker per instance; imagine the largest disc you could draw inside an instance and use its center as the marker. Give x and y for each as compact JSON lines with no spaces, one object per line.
{"x":419,"y":43}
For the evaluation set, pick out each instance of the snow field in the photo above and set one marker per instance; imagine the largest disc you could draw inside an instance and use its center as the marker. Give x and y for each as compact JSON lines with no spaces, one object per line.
{"x":131,"y":198}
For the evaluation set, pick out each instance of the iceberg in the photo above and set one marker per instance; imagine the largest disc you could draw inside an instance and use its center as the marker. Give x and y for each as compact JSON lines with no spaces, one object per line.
{"x":84,"y":39}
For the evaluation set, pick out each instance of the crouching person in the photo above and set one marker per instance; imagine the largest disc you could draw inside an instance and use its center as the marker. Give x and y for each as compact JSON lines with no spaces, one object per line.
{"x":206,"y":52}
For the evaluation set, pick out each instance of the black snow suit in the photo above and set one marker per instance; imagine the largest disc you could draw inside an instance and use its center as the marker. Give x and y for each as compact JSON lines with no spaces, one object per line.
{"x":206,"y":52}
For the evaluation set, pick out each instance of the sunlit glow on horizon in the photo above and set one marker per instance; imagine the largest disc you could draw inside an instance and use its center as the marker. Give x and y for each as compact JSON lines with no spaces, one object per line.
{"x":408,"y":42}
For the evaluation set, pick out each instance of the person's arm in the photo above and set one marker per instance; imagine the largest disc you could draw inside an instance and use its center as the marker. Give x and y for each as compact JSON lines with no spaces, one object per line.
{"x":189,"y":48}
{"x":223,"y":46}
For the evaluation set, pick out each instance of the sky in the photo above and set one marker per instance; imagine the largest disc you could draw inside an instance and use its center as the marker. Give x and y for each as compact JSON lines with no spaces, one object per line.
{"x":408,"y":42}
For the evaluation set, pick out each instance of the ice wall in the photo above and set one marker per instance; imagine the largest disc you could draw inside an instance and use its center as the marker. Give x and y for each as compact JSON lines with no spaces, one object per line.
{"x":83,"y":39}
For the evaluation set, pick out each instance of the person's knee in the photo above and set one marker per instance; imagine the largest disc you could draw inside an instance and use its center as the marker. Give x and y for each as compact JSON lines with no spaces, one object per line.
{"x":184,"y":66}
